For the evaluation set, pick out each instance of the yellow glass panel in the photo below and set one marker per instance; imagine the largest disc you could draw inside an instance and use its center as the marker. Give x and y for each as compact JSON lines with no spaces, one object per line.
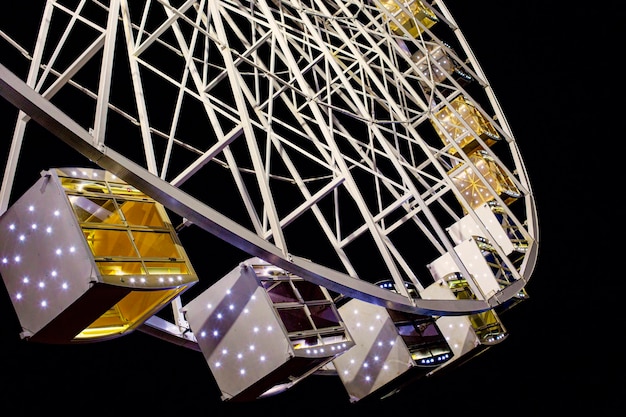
{"x":120,"y":268}
{"x":83,"y":185}
{"x":139,"y":304}
{"x":95,"y":210}
{"x":141,"y":213}
{"x":109,"y":243}
{"x":461,"y":290}
{"x":132,"y":310}
{"x":486,"y":324}
{"x":484,"y":319}
{"x":418,"y":12}
{"x":167,"y":268}
{"x":155,"y":245}
{"x":124,"y":189}
{"x":453,"y":119}
{"x":472,"y":187}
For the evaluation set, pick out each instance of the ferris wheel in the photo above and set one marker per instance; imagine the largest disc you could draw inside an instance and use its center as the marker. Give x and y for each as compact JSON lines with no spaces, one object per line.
{"x":354,"y":149}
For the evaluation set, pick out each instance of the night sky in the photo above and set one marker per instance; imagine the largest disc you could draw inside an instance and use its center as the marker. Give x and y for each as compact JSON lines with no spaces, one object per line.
{"x":560,"y":356}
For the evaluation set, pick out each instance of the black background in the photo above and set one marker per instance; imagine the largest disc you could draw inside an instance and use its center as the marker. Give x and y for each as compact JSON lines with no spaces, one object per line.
{"x":552,"y":71}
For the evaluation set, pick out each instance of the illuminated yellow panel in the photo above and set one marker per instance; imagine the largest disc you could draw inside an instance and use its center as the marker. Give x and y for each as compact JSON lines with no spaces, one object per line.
{"x":142,"y":213}
{"x":112,"y":211}
{"x":484,"y":319}
{"x":454,"y":118}
{"x":166,"y":268}
{"x":155,"y":245}
{"x":419,"y":13}
{"x":459,"y":287}
{"x":81,"y":185}
{"x":136,"y":307}
{"x":474,"y":190}
{"x":94,"y":209}
{"x":110,"y":243}
{"x":123,"y":189}
{"x":143,"y":273}
{"x":117,"y":268}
